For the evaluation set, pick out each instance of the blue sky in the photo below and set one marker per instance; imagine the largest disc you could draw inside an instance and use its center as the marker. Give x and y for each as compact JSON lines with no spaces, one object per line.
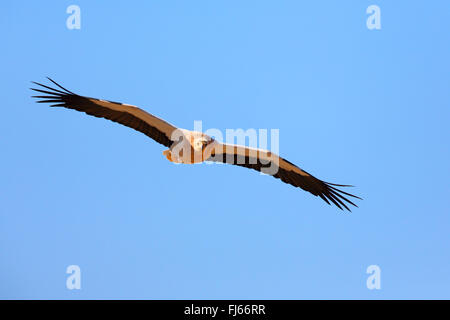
{"x":357,"y":106}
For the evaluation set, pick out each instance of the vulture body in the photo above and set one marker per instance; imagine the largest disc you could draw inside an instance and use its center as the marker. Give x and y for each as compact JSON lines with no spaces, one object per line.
{"x":193,"y":147}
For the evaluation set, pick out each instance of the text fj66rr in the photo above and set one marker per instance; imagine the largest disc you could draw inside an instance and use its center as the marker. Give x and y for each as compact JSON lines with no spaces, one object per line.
{"x":241,"y":309}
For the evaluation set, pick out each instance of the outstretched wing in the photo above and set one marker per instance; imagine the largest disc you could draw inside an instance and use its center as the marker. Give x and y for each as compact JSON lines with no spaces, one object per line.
{"x":267,"y":162}
{"x":130,"y":116}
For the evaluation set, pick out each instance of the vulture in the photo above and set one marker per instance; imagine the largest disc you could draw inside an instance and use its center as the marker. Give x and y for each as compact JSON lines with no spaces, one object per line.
{"x":185,"y":146}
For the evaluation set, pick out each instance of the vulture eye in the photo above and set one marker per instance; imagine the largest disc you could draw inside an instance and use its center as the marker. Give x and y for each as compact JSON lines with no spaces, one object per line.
{"x":200,"y":143}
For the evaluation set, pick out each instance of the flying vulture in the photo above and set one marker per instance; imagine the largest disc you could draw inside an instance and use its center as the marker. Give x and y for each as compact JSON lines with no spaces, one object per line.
{"x":192,"y":147}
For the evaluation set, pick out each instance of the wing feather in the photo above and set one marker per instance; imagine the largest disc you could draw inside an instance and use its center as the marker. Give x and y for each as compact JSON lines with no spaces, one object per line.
{"x":127,"y":115}
{"x":286,"y":171}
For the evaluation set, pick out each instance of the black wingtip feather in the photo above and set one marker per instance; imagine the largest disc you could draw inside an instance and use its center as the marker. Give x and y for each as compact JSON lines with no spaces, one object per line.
{"x":342,"y":197}
{"x":340,"y":185}
{"x":324,"y":198}
{"x":54,"y":95}
{"x":50,"y":88}
{"x":346,"y":193}
{"x":334,"y":201}
{"x":60,"y":86}
{"x":47,"y":92}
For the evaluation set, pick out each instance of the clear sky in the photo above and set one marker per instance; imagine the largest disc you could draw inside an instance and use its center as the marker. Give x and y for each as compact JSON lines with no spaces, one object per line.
{"x":353,"y":106}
